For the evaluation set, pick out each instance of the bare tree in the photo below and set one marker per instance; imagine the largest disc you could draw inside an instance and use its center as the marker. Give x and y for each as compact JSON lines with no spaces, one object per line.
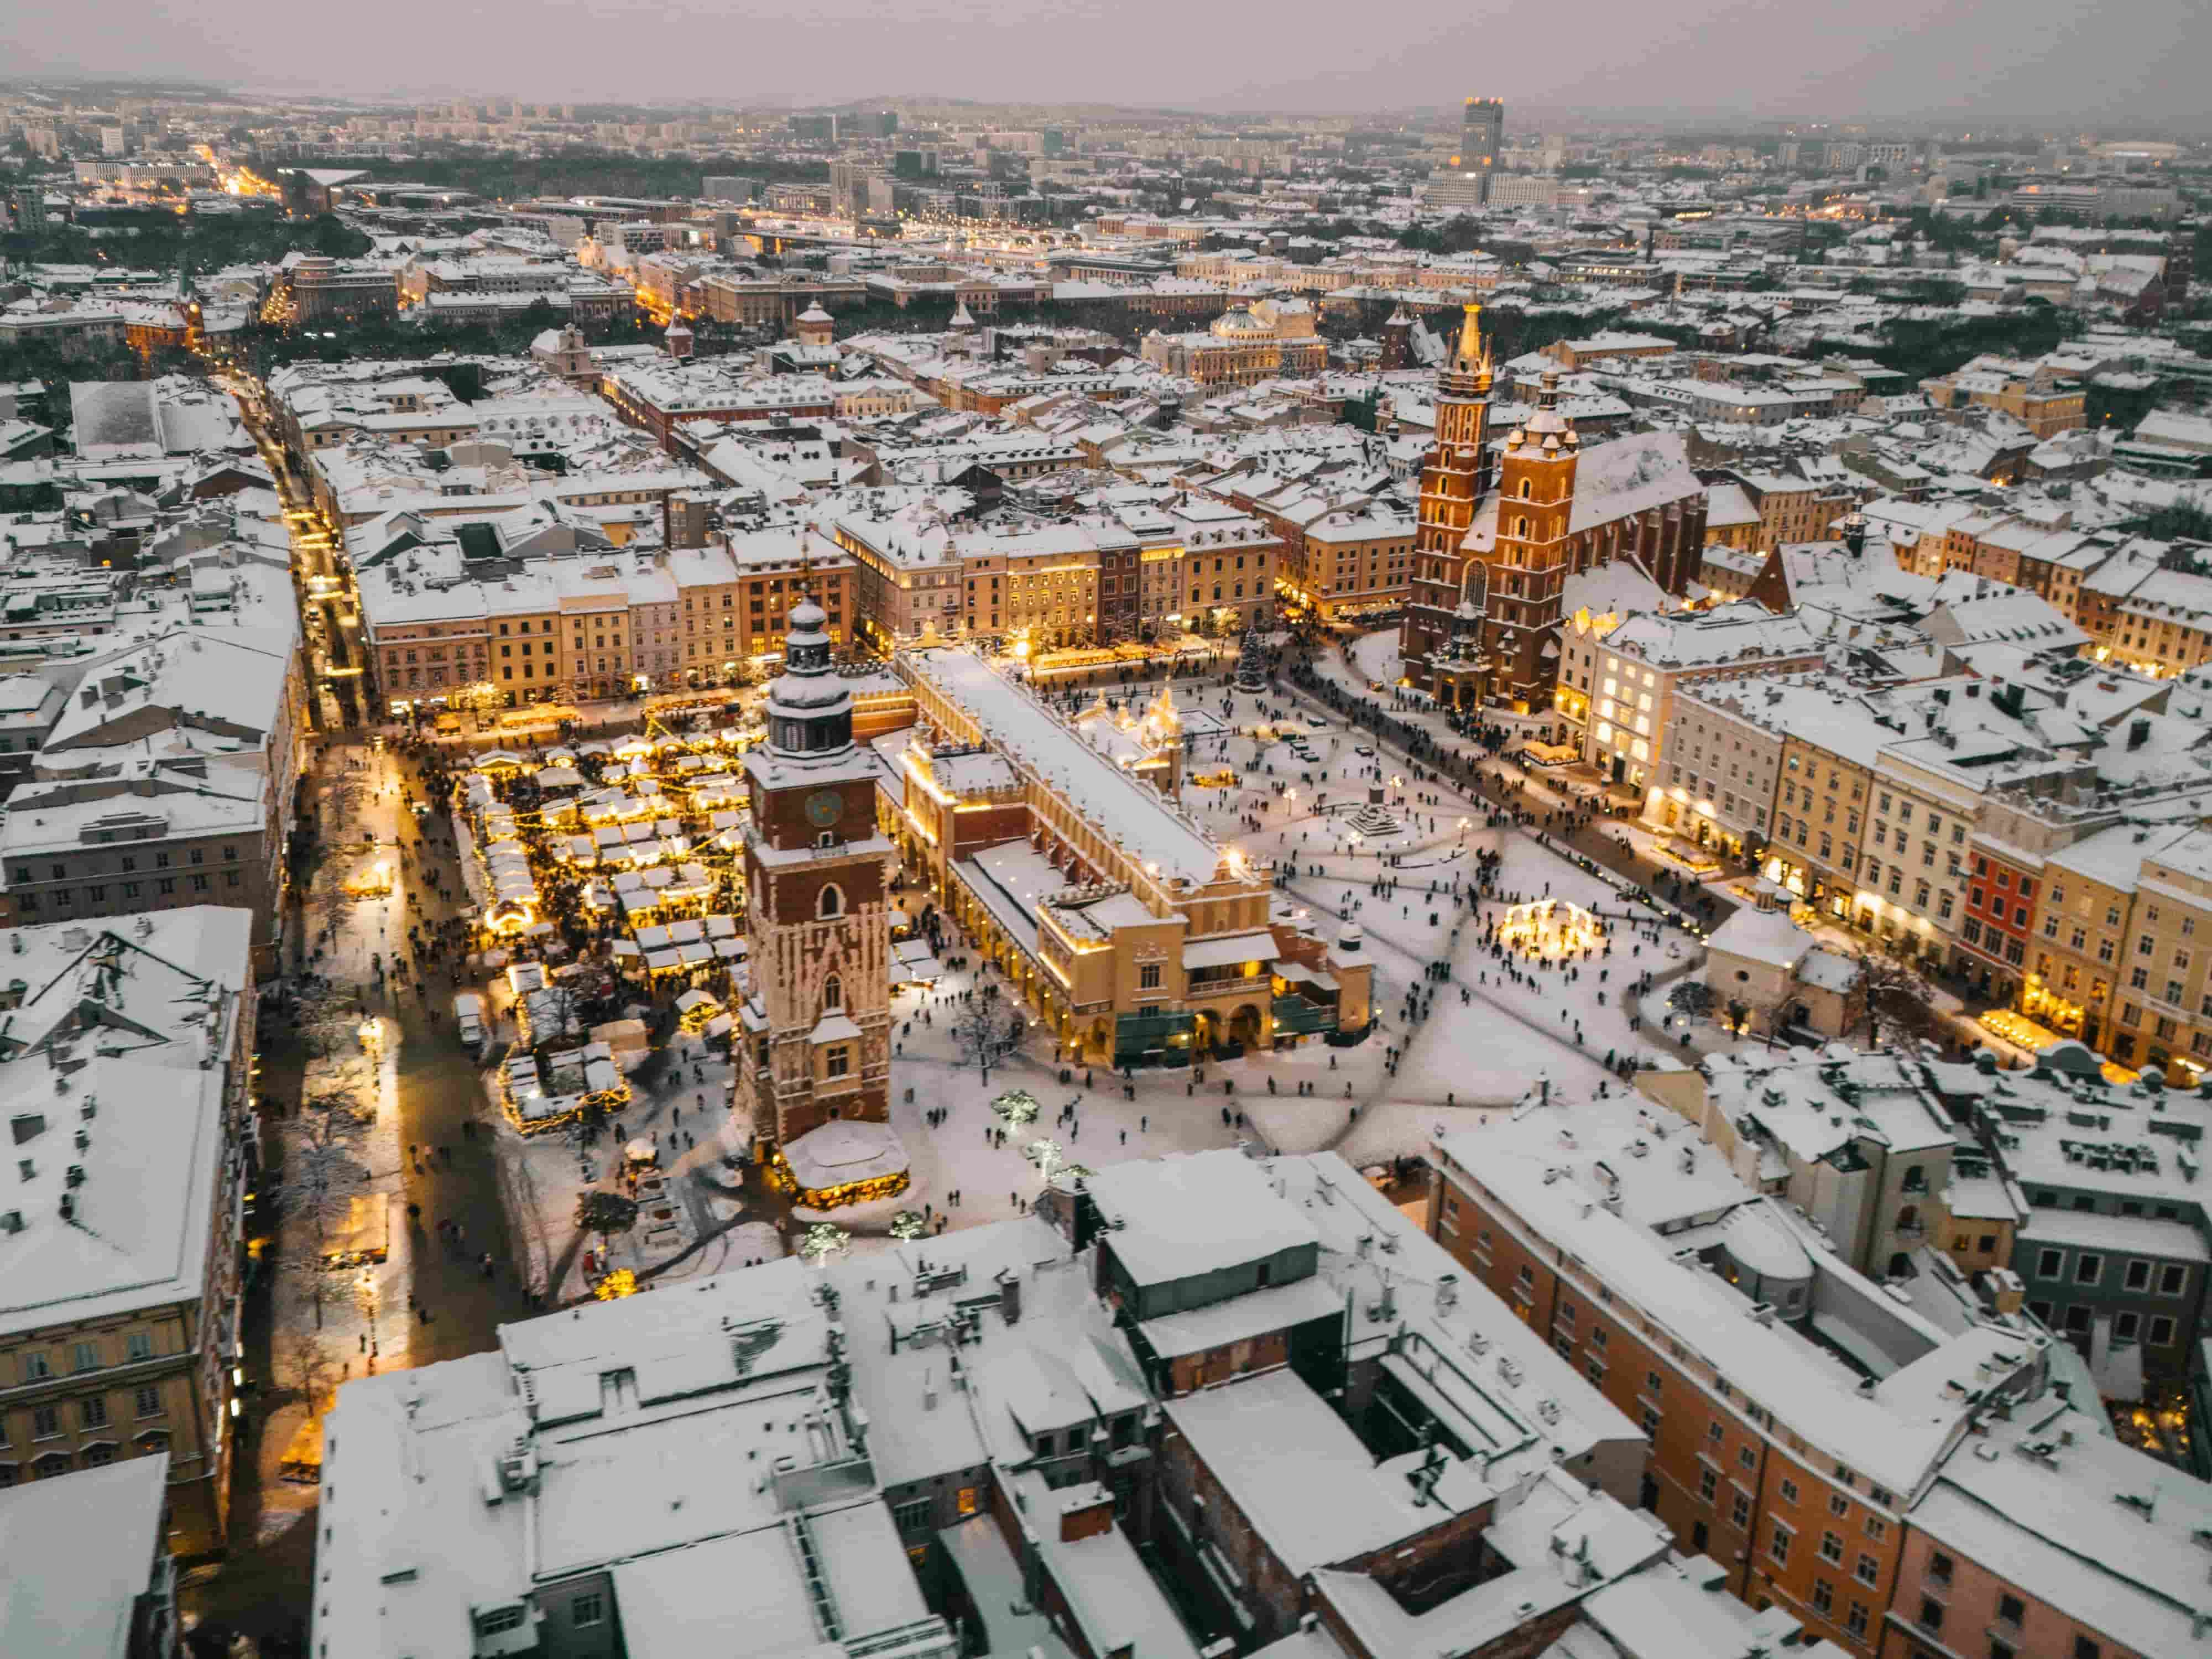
{"x":330,"y":902}
{"x":1891,"y":1000}
{"x":328,"y":1021}
{"x":985,"y":1033}
{"x":1774,"y":1016}
{"x":321,"y":1177}
{"x":343,"y":796}
{"x":310,"y":1367}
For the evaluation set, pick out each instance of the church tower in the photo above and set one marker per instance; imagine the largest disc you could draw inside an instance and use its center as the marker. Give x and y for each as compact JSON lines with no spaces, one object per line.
{"x":815,"y":1037}
{"x":1532,"y":555}
{"x":1453,"y":482}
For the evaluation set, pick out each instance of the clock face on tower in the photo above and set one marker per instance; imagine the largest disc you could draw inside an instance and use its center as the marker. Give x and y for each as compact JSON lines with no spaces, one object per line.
{"x":824,"y":807}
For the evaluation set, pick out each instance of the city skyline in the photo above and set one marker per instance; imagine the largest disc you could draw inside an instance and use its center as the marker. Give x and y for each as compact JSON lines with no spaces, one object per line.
{"x":1886,"y":61}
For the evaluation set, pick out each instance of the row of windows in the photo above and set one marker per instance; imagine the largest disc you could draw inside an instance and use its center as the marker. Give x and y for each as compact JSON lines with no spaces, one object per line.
{"x":92,"y":1413}
{"x":36,"y":1364}
{"x":2172,"y":1278}
{"x":66,"y":899}
{"x":26,"y":873}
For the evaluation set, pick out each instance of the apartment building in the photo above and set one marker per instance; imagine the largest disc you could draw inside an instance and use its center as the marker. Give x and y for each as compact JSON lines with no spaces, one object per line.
{"x":2148,"y":606}
{"x":589,"y":627}
{"x":1619,"y":680}
{"x":907,"y":573}
{"x":1796,"y":504}
{"x":736,"y":597}
{"x":2036,"y":394}
{"x":1040,"y":585}
{"x":1146,"y":566}
{"x":166,"y":782}
{"x":1713,"y":1315}
{"x":2114,"y":1245}
{"x":658,"y":394}
{"x":1345,"y":555}
{"x":1730,"y":755}
{"x":973,"y":1439}
{"x":128,"y":1351}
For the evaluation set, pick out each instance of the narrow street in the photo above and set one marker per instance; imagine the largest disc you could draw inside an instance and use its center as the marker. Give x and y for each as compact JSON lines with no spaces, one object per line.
{"x":441,"y":1108}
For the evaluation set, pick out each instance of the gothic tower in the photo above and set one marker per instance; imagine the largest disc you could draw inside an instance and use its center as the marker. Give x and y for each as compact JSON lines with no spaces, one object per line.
{"x":1532,"y":554}
{"x":815,"y":1042}
{"x":1453,"y":482}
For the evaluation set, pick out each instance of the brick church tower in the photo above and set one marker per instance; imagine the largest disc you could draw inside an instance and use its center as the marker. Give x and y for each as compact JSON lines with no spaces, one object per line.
{"x":1533,"y":553}
{"x":815,"y":1034}
{"x":1453,"y":483}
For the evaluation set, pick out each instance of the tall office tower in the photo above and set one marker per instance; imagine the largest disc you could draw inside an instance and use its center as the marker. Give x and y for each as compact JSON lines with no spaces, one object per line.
{"x":1482,"y":135}
{"x":1465,"y":182}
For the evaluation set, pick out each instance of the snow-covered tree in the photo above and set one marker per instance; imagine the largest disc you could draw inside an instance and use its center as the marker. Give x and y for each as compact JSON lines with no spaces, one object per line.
{"x":909,"y":1224}
{"x":1048,"y":1154}
{"x":1016,"y":1107}
{"x":822,"y":1240}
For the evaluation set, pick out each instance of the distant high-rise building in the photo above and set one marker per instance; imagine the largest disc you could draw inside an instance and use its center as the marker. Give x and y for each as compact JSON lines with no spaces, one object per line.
{"x":1482,"y":134}
{"x":1465,"y":182}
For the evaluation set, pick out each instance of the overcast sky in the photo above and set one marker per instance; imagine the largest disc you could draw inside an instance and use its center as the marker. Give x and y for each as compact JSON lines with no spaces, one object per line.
{"x":2124,"y":63}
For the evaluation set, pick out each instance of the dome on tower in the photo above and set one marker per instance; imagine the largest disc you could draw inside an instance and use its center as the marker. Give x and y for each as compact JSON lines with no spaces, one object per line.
{"x":810,"y":707}
{"x":1546,"y":424}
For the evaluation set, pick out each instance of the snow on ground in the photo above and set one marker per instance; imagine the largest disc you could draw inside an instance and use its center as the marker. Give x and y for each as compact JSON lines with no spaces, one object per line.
{"x":1375,"y":655}
{"x":366,"y":1308}
{"x":1461,"y":1063}
{"x":684,"y":1112}
{"x":1486,"y":1054}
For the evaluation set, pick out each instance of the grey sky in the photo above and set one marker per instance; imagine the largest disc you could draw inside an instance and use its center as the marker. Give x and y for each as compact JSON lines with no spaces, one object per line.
{"x":2137,"y":62}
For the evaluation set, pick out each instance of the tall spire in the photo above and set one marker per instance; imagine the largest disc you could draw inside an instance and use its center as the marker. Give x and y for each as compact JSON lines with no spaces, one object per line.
{"x":1473,"y":354}
{"x":1468,"y":374}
